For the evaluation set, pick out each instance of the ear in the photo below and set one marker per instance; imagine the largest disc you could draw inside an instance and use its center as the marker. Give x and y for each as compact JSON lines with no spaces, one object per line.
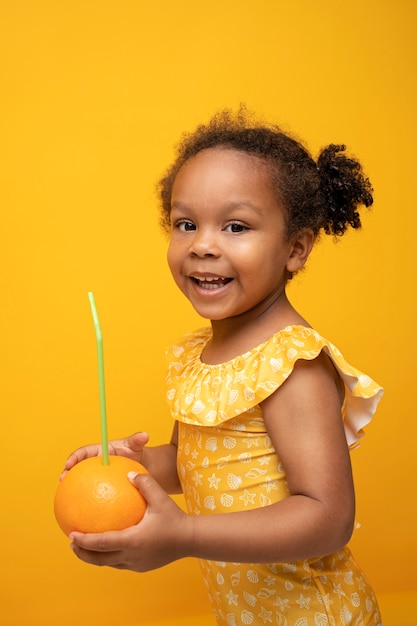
{"x":300,"y":250}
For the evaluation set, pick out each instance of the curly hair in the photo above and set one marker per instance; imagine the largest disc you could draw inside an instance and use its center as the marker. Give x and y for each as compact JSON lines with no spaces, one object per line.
{"x":320,"y":196}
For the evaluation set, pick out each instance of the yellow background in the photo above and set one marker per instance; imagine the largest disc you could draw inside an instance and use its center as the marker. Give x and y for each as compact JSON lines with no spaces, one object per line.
{"x":94,"y":94}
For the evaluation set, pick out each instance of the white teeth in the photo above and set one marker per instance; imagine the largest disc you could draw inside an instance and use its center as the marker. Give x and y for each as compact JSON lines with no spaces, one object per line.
{"x":210,"y":282}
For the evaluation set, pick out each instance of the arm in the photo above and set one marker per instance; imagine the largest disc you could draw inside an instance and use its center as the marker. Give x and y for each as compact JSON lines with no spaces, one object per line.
{"x":161,"y":462}
{"x":304,"y":422}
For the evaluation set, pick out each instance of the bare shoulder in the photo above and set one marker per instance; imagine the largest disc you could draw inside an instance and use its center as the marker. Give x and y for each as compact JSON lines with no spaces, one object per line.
{"x":304,"y":421}
{"x":310,"y":379}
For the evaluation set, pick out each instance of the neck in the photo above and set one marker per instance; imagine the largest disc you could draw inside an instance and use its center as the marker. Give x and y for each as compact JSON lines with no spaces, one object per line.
{"x":237,"y":335}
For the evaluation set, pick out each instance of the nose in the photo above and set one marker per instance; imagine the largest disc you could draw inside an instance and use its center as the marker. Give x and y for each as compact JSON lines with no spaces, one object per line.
{"x":204,"y":243}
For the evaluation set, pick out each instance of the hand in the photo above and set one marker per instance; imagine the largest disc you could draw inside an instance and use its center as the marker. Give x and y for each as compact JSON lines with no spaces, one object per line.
{"x":162,"y":536}
{"x":131,"y":447}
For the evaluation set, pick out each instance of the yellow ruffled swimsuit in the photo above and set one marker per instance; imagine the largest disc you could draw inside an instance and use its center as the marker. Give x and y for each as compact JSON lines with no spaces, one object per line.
{"x":226,"y":462}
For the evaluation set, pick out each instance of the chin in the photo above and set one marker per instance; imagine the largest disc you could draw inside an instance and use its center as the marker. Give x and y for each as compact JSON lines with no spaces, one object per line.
{"x":211,"y":315}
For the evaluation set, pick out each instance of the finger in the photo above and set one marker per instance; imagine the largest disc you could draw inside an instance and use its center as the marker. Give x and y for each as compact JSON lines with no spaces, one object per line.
{"x":100,"y":559}
{"x":81,"y":454}
{"x":73,"y":459}
{"x":110,"y":541}
{"x":148,"y":486}
{"x":137,"y":441}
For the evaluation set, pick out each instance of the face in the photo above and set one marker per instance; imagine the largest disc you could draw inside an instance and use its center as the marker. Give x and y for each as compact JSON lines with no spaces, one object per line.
{"x":228,"y":250}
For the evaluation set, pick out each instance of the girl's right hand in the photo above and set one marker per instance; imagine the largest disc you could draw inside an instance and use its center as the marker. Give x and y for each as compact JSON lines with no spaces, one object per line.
{"x":131,"y":447}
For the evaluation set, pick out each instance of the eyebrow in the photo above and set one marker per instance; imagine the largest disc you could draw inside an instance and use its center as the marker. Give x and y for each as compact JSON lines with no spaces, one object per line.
{"x":230,"y":206}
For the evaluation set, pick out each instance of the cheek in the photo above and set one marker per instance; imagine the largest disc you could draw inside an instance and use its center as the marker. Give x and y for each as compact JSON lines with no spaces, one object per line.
{"x":251,"y":256}
{"x":169,"y":256}
{"x":173,"y":260}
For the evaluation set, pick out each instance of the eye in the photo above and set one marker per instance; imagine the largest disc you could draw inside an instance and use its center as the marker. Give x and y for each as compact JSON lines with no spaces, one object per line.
{"x":184,"y":225}
{"x":236,"y":227}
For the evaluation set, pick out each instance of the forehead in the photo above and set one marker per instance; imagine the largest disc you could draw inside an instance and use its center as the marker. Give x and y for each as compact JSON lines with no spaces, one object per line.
{"x":218,"y":180}
{"x":224,"y":165}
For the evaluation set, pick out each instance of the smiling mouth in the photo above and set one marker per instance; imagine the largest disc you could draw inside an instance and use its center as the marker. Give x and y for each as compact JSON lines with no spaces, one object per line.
{"x":211,"y":282}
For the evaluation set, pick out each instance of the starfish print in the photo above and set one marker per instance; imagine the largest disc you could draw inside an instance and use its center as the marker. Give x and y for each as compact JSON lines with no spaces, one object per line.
{"x":232,"y":597}
{"x":247,"y":497}
{"x":270,"y":485}
{"x":240,"y":377}
{"x":326,"y":601}
{"x":250,"y":441}
{"x":214,"y":481}
{"x":303,"y":602}
{"x":264,"y":460}
{"x":266,"y":616}
{"x":338,"y":590}
{"x":197,"y":478}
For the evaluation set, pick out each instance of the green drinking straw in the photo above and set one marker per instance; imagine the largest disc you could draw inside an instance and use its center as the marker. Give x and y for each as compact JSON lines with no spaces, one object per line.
{"x":99,"y":341}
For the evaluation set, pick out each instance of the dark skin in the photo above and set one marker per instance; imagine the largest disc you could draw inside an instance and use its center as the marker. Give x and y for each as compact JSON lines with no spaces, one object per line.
{"x":302,"y":418}
{"x":316,"y":519}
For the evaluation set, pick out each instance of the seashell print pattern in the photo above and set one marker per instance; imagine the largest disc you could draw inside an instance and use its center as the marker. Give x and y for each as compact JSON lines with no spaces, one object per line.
{"x":226,"y":462}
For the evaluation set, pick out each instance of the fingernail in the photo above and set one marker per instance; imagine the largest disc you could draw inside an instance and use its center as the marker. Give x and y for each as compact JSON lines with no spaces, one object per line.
{"x":132,"y":475}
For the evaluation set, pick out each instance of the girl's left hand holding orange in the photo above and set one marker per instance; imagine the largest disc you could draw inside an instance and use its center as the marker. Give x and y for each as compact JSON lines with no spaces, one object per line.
{"x":160,"y":537}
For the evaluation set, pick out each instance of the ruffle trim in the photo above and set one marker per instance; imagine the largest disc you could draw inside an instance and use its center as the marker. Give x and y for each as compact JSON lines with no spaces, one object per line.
{"x":208,"y":395}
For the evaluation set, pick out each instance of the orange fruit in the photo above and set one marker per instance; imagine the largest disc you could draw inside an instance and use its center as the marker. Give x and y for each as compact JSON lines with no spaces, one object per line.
{"x":93,"y":497}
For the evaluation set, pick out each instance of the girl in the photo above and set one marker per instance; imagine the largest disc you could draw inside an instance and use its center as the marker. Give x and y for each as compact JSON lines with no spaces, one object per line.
{"x":265,"y":408}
